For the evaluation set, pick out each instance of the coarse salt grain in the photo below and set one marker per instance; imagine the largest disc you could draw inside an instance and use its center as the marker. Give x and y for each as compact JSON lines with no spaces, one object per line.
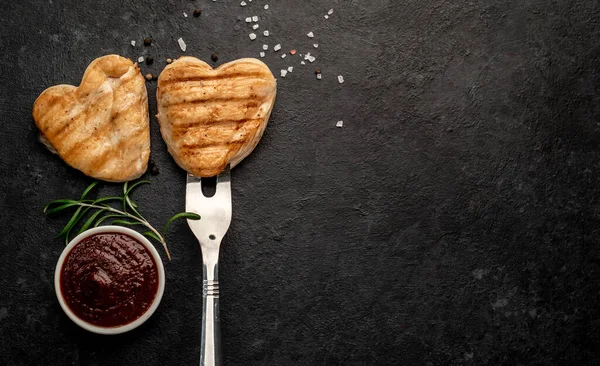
{"x":316,"y":45}
{"x":319,"y":76}
{"x":277,"y":47}
{"x":262,"y":54}
{"x":339,"y":124}
{"x":326,"y":16}
{"x":255,"y":18}
{"x":266,"y":6}
{"x":255,"y":26}
{"x":265,"y":47}
{"x":249,"y":20}
{"x":141,"y":59}
{"x":283,"y":56}
{"x":252,"y":36}
{"x":182,"y":44}
{"x":266,"y":33}
{"x":243,"y":3}
{"x":302,"y":63}
{"x":184,"y":14}
{"x":290,"y":68}
{"x":330,"y":11}
{"x":133,"y":43}
{"x":310,"y":34}
{"x":341,"y":79}
{"x":283,"y":73}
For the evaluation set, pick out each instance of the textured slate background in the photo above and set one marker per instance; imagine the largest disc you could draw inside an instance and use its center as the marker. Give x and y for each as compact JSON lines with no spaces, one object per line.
{"x":453,"y":220}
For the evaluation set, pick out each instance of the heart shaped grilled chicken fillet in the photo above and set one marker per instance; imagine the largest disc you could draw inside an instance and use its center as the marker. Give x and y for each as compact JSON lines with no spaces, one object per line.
{"x":101,"y":127}
{"x":213,"y":117}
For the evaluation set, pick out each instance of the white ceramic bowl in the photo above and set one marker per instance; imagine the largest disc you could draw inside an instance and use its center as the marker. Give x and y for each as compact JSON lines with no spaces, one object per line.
{"x":123,"y":328}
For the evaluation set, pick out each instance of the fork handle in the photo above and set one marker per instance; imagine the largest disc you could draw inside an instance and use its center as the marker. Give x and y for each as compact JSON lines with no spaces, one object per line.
{"x":210,"y":350}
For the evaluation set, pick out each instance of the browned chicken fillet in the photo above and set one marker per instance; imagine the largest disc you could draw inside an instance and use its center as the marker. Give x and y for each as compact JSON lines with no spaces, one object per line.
{"x":101,"y":127}
{"x":213,"y":117}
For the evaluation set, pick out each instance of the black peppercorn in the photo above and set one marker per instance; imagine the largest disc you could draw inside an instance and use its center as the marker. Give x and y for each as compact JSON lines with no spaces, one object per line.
{"x":148,"y":77}
{"x":153,"y":168}
{"x":149,"y":60}
{"x":214,"y":57}
{"x":197,"y":13}
{"x":317,"y":71}
{"x":147,"y":41}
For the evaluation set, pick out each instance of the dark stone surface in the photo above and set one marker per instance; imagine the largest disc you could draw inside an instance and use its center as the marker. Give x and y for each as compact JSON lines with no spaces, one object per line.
{"x":453,"y":220}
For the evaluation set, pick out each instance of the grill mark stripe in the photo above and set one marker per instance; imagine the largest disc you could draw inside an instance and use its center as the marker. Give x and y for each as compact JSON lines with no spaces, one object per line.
{"x":204,"y":86}
{"x":62,"y":128}
{"x":219,"y":76}
{"x":251,"y":102}
{"x":240,"y":121}
{"x":227,"y":144}
{"x":77,"y":119}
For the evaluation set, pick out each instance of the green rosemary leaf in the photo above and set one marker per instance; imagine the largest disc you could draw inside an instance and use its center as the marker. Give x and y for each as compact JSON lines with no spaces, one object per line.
{"x":124,"y":198}
{"x":56,"y":202}
{"x":61,"y":208}
{"x":181,"y":215}
{"x":67,"y":237}
{"x":150,"y":234}
{"x":76,"y":217}
{"x":106,"y":199}
{"x":127,"y":201}
{"x":133,"y":206}
{"x":88,"y":189}
{"x":90,"y":221}
{"x":138,"y":183}
{"x":104,"y":218}
{"x":126,"y":223}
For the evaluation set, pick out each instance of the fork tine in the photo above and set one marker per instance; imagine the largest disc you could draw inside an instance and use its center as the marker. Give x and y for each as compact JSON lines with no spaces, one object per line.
{"x":223,"y":188}
{"x":225,"y":176}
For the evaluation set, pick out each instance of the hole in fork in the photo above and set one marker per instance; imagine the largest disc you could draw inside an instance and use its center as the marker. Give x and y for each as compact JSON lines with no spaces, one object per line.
{"x":212,"y":237}
{"x":209,"y":186}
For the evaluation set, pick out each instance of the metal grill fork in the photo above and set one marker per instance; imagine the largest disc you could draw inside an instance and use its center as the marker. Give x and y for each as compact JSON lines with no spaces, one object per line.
{"x":215,"y":213}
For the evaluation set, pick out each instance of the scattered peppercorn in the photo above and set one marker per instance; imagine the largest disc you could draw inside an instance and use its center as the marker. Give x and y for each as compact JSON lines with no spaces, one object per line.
{"x":148,"y":77}
{"x":197,"y":13}
{"x":317,"y":71}
{"x":214,"y":57}
{"x":149,"y":60}
{"x":154,"y":76}
{"x":147,"y":41}
{"x":153,"y":168}
{"x":169,"y":60}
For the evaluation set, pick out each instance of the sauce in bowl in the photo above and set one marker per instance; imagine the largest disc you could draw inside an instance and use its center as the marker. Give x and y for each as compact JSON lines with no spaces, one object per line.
{"x":109,"y":279}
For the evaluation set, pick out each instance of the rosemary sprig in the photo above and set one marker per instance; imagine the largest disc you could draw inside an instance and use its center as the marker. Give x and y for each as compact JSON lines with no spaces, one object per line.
{"x":102,"y":211}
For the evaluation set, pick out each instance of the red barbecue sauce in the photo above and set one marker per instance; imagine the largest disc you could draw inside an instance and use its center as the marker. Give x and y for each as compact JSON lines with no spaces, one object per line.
{"x":109,"y":279}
